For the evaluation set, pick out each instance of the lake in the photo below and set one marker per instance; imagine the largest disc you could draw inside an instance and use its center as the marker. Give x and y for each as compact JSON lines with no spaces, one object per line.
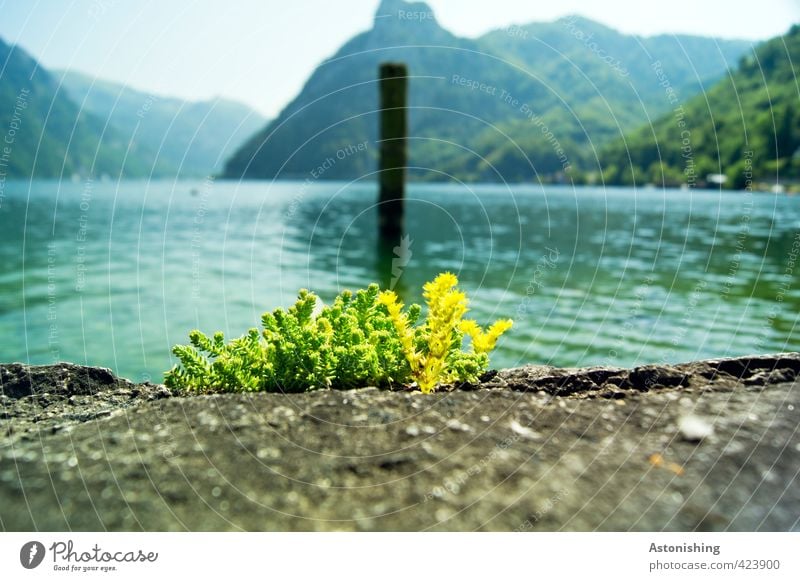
{"x":113,"y":274}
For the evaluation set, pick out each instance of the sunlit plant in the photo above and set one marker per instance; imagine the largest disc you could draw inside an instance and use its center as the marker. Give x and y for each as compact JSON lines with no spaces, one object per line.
{"x":366,"y":338}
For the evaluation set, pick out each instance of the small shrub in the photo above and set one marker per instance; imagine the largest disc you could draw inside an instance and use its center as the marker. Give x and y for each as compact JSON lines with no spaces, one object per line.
{"x":366,"y":338}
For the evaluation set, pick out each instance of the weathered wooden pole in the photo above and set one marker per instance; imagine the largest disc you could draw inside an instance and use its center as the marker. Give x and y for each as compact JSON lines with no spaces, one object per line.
{"x":393,"y":150}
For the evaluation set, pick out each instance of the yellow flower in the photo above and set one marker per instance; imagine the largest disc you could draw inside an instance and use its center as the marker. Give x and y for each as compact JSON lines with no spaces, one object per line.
{"x":484,"y":342}
{"x":446,"y":309}
{"x":400,"y":322}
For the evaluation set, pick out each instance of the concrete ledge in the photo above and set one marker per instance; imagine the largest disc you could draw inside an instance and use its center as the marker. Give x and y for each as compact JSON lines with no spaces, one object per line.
{"x":711,"y":445}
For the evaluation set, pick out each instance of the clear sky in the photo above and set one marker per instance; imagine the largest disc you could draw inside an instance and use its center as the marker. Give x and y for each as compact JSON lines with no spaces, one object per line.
{"x":261,"y":51}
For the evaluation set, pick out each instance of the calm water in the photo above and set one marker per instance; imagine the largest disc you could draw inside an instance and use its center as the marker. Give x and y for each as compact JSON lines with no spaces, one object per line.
{"x":115,"y":274}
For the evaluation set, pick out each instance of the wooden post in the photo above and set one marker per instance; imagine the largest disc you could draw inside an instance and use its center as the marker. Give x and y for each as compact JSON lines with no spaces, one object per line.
{"x":393,"y":150}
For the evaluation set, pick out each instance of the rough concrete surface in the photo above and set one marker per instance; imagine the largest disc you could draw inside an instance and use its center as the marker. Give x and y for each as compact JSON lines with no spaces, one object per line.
{"x":710,"y":445}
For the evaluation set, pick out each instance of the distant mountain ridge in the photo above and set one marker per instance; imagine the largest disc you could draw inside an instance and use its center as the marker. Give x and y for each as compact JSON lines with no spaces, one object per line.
{"x":51,"y":137}
{"x":190,"y":138}
{"x":71,"y":124}
{"x":517,"y":104}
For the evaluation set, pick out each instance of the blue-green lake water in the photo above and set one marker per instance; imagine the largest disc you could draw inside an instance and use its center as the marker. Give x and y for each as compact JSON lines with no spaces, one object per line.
{"x":114,"y":274}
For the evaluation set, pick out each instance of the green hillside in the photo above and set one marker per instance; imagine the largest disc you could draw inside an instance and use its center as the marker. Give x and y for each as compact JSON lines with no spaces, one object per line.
{"x":524,"y":103}
{"x":746,"y":127}
{"x":190,"y":138}
{"x":51,"y":136}
{"x":66,"y":124}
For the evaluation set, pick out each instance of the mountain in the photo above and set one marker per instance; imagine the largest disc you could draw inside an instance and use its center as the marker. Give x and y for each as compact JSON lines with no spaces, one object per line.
{"x":62,"y":124}
{"x":517,"y":104}
{"x":746,"y":127}
{"x":45,"y":133}
{"x":190,"y":138}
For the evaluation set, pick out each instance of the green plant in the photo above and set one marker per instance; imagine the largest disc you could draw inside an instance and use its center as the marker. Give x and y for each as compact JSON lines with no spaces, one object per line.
{"x":366,"y":338}
{"x":433,"y":350}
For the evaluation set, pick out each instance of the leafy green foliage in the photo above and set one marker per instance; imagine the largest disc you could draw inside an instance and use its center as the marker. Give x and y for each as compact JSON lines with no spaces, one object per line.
{"x":361,"y":339}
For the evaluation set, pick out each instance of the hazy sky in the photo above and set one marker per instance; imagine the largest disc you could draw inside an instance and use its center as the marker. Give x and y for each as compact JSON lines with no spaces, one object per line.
{"x":261,"y":51}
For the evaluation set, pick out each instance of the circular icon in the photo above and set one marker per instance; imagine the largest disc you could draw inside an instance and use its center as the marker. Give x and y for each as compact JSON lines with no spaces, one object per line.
{"x":31,"y":554}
